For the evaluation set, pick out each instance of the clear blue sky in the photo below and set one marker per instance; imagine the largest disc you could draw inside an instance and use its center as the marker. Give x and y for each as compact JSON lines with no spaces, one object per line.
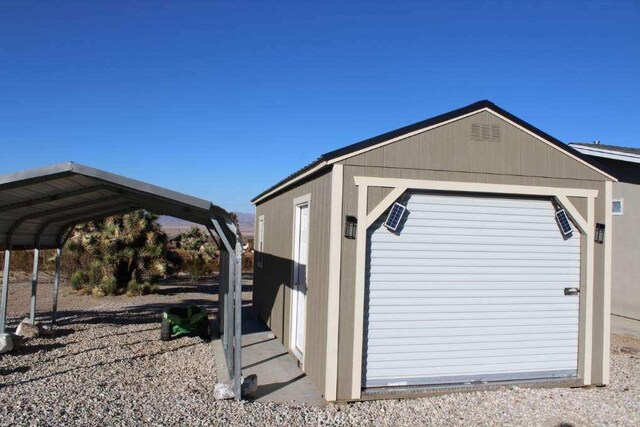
{"x":221,"y":99}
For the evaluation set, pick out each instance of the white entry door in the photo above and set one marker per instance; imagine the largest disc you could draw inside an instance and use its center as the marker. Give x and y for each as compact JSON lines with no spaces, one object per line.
{"x":299,"y":292}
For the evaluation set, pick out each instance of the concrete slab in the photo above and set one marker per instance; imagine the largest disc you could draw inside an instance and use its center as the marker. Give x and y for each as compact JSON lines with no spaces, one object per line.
{"x":279,"y":378}
{"x":625,"y":326}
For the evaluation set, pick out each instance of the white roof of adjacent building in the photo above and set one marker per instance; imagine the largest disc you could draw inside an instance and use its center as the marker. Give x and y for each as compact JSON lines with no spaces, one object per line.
{"x":626,"y":154}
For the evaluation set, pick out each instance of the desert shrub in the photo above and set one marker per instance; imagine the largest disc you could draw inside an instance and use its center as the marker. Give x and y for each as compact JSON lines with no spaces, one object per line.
{"x":78,"y":279}
{"x":146,"y":288}
{"x":198,"y":252}
{"x":94,"y":273}
{"x":109,"y":286}
{"x":135,"y":288}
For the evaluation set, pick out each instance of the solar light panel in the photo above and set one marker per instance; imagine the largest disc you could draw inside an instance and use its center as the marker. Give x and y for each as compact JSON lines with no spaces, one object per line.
{"x":563,"y":222}
{"x":395,"y":216}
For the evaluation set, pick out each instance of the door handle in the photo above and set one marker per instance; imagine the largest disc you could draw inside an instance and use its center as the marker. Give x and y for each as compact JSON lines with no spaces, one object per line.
{"x":571,"y":291}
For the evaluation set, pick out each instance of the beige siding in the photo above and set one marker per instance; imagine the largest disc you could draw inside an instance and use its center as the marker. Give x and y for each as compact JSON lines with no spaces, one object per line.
{"x":272,"y":283}
{"x":625,"y":298}
{"x":448,"y":153}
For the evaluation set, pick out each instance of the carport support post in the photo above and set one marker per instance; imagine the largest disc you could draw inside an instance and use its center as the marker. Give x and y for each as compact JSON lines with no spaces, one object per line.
{"x":237,"y":354}
{"x":34,"y":281}
{"x":5,"y":288}
{"x":235,"y":272}
{"x":56,"y":285}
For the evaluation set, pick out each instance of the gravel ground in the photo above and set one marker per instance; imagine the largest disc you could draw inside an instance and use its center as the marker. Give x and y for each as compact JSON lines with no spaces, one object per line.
{"x":108,"y":367}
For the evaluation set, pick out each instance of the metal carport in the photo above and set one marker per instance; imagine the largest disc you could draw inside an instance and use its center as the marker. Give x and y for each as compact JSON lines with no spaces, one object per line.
{"x":39,"y":206}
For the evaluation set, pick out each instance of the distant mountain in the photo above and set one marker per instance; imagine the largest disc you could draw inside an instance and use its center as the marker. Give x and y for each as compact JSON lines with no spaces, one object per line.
{"x":173,"y":226}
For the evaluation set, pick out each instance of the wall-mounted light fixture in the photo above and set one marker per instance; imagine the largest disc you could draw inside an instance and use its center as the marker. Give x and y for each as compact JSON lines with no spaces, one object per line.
{"x":350,"y":227}
{"x":599,"y":233}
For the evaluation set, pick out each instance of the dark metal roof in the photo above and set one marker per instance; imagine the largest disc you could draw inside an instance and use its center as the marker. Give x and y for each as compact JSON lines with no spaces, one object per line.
{"x":43,"y":203}
{"x":367,"y":143}
{"x":627,"y":150}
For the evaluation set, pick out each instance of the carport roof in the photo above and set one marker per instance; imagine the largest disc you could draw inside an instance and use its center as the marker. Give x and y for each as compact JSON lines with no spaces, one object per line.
{"x":42,"y":203}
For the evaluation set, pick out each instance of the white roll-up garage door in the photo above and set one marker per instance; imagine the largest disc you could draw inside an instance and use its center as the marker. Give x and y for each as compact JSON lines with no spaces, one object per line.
{"x":471,"y":289}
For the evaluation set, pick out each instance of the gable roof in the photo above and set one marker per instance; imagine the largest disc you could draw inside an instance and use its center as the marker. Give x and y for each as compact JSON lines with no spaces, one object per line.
{"x":625,"y":154}
{"x":325,"y":160}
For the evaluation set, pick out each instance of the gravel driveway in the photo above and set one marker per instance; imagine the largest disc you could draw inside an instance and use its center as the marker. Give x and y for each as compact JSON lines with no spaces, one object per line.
{"x":108,"y":367}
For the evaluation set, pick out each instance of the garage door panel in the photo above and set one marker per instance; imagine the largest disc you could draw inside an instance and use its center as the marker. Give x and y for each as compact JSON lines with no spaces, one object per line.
{"x":471,"y":288}
{"x":427,"y":201}
{"x":482,"y":263}
{"x":406,"y":344}
{"x":466,"y":358}
{"x":462,"y":293}
{"x":455,"y":323}
{"x":384,"y":353}
{"x":432,"y":255}
{"x":471,"y":269}
{"x":418,"y":333}
{"x":427,"y":303}
{"x":446,"y":228}
{"x":442,"y":205}
{"x":493,"y":219}
{"x":385,"y":318}
{"x":486,"y":370}
{"x":454,"y":309}
{"x":473,"y":240}
{"x":489,"y":278}
{"x":446,"y":247}
{"x":381,"y":359}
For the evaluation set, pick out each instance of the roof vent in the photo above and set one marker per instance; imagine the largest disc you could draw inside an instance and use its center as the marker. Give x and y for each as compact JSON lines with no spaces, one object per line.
{"x":495,"y":133}
{"x":475,"y":132}
{"x":481,"y":132}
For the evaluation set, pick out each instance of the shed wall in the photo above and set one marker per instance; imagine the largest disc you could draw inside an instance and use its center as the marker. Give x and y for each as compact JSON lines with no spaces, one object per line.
{"x":625,"y":285}
{"x":448,"y":153}
{"x":272,"y":282}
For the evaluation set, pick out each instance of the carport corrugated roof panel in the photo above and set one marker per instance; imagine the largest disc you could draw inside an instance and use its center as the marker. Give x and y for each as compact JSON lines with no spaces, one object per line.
{"x":43,"y":202}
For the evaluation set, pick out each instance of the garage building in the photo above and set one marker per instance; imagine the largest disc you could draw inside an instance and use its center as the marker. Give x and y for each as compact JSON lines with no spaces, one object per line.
{"x":465,"y":250}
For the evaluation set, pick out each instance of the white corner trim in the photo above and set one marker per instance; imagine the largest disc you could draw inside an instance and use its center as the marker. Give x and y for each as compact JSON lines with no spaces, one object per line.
{"x":358,"y":310}
{"x":587,"y":345}
{"x":608,"y":247}
{"x":260,"y":239}
{"x":306,"y":198}
{"x":573,"y":213}
{"x":586,"y":225}
{"x":384,"y":205}
{"x":596,"y":151}
{"x":472,"y":187}
{"x":333,"y":293}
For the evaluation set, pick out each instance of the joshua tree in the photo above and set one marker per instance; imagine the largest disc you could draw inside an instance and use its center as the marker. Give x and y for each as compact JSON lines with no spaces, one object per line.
{"x":200,"y":250}
{"x":124,"y":250}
